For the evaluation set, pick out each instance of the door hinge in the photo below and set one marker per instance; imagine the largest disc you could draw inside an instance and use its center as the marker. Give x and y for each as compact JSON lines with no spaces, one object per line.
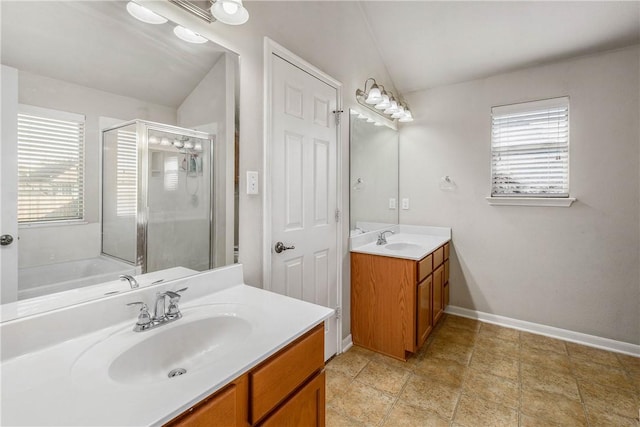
{"x":337,"y":115}
{"x":337,"y":215}
{"x":338,"y":313}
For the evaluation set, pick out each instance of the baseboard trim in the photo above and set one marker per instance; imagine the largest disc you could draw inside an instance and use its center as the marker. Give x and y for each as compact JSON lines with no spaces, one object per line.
{"x":347,"y":343}
{"x":549,"y":331}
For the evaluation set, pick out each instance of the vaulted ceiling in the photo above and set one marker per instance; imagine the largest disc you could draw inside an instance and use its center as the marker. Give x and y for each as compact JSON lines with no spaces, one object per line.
{"x":425,"y":44}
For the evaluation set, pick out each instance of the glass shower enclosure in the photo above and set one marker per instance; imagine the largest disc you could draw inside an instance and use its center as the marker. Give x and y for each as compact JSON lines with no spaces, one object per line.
{"x":157,"y":201}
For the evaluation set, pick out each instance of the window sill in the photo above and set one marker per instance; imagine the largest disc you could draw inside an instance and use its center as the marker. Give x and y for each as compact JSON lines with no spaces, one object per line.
{"x":558,"y":202}
{"x":45,"y":224}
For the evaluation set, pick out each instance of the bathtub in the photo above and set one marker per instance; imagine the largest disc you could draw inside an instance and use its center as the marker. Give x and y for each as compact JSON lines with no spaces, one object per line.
{"x":64,"y":276}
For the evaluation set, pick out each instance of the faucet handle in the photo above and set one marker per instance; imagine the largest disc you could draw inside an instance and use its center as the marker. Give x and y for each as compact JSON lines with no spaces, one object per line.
{"x":144,"y":318}
{"x":174,"y":296}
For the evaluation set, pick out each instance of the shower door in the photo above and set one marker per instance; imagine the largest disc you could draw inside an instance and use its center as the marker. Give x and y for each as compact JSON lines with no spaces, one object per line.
{"x":179,"y":203}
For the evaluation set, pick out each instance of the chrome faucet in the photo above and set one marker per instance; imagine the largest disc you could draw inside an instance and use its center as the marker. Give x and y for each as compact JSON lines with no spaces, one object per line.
{"x":172,"y":312}
{"x":132,"y":281}
{"x":382,"y":239}
{"x":162,"y":314}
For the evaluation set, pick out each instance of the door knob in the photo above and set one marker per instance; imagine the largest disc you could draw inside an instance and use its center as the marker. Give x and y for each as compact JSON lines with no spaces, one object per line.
{"x":281,"y":247}
{"x":6,"y":239}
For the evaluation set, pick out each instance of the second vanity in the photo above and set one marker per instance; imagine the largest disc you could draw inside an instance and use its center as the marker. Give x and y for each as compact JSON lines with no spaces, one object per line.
{"x":251,"y":357}
{"x":399,"y":287}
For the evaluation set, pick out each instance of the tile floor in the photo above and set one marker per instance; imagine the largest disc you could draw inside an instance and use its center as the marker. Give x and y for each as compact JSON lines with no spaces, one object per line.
{"x":472,"y":374}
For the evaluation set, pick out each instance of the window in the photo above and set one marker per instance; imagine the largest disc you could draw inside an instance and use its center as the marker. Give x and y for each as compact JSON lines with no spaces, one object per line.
{"x":50,"y":165}
{"x":530,"y":149}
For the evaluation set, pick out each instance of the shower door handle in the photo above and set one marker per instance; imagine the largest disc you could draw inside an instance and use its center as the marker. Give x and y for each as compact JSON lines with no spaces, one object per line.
{"x":6,"y":239}
{"x":280,"y":247}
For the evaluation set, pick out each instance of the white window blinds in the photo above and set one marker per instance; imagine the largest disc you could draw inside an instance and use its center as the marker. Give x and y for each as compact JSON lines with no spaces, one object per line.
{"x":50,"y":165}
{"x":530,"y":149}
{"x":127,"y":179}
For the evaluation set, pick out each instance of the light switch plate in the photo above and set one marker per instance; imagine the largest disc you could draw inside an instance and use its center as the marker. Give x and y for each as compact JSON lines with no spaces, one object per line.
{"x":252,"y":182}
{"x":392,"y":203}
{"x":405,"y":204}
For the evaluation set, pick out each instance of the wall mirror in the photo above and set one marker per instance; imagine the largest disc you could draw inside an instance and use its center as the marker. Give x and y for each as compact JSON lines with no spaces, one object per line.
{"x":160,"y":197}
{"x":374,"y":200}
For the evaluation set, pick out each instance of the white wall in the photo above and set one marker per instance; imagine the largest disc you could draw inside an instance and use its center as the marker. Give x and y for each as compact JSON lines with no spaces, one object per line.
{"x":45,"y":245}
{"x":574,"y":268}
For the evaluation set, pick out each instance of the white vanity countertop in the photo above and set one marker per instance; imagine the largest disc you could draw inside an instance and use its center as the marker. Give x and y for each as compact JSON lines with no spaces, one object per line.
{"x":44,"y":387}
{"x":421,"y":241}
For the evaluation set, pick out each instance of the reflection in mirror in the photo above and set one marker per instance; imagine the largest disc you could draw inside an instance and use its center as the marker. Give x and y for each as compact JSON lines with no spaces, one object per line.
{"x":374,"y":175}
{"x":159,"y":200}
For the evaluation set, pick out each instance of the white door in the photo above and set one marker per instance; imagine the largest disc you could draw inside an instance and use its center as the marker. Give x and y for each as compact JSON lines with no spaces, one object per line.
{"x":303,"y":190}
{"x":9,"y":186}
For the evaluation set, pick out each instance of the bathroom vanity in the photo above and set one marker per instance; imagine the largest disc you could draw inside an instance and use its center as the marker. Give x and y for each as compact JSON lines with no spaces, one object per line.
{"x":238,"y":356}
{"x":399,"y":289}
{"x":287,"y":389}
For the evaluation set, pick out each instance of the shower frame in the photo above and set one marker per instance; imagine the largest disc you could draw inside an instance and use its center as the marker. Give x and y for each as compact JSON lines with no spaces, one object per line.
{"x":142,"y":163}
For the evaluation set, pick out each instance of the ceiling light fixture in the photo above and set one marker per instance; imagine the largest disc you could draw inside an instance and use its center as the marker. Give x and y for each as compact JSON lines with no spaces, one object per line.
{"x":188,"y":35}
{"x":143,"y":14}
{"x":230,"y":12}
{"x":382,"y":102}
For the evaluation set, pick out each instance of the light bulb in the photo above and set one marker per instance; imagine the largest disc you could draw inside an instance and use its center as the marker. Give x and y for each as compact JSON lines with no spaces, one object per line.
{"x":230,"y":12}
{"x":384,"y":104}
{"x":188,"y":145}
{"x":399,"y":113}
{"x":230,"y":7}
{"x":177,"y":143}
{"x":361,"y":116}
{"x":374,"y":96}
{"x":378,"y":124}
{"x":187,"y":35}
{"x":153,"y":139}
{"x":408,"y":117}
{"x":165,"y":141}
{"x":198,"y":146}
{"x":369,"y":120}
{"x":143,"y":14}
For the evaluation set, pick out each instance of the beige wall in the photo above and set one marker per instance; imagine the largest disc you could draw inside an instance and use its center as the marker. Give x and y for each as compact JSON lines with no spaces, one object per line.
{"x":574,"y":268}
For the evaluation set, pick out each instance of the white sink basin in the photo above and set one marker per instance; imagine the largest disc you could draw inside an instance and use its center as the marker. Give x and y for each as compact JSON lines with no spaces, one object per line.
{"x":402,"y":247}
{"x":201,"y":337}
{"x":185,"y":346}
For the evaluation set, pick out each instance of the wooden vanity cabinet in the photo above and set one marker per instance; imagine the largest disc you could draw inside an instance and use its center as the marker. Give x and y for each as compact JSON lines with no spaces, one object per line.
{"x":225,"y":408}
{"x":395,"y":302}
{"x":288,"y":389}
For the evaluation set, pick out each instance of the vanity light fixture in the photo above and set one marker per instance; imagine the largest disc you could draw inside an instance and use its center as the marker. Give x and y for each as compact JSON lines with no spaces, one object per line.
{"x":143,"y":14}
{"x":382,"y":102}
{"x":230,"y":12}
{"x":188,"y":35}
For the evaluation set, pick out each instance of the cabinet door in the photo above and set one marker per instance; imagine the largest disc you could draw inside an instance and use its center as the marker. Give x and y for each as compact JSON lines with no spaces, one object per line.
{"x":219,"y":410}
{"x":305,"y":408}
{"x":225,"y":408}
{"x":438,"y":294}
{"x":425,"y":290}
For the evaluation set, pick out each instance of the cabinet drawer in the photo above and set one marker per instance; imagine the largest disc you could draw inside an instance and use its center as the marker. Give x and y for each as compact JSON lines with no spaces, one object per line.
{"x":425,"y":267}
{"x":275,"y":379}
{"x":305,"y":408}
{"x":438,"y":256}
{"x":219,"y":409}
{"x":446,"y":251}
